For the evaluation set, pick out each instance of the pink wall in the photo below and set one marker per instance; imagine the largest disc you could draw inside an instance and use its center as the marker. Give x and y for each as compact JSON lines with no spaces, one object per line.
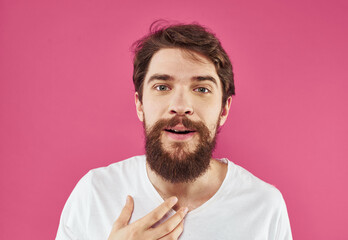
{"x":66,"y":101}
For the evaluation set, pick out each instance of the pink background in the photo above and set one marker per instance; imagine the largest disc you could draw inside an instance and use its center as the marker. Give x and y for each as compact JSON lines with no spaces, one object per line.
{"x":66,"y":101}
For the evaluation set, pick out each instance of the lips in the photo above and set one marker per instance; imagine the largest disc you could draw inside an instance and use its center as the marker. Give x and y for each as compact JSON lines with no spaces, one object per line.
{"x":179,"y":130}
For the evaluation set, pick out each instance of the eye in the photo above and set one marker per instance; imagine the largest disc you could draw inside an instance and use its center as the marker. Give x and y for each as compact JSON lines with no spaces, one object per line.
{"x":162,"y":88}
{"x":202,"y":90}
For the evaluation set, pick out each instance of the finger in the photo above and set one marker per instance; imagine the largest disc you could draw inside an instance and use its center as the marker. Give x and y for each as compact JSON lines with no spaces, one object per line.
{"x":125,"y":214}
{"x":169,"y":225}
{"x":158,"y":213}
{"x":175,"y":234}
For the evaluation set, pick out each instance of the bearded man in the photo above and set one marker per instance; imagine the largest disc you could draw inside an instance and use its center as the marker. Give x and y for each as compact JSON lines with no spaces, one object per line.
{"x":184,"y":86}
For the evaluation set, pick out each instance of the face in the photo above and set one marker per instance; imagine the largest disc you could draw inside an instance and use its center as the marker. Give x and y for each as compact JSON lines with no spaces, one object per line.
{"x":181,"y":110}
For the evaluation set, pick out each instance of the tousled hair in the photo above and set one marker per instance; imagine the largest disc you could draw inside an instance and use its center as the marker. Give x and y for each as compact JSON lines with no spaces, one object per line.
{"x":188,"y":37}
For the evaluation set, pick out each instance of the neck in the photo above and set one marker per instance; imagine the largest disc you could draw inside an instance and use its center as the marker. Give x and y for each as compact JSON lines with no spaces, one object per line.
{"x":191,"y":194}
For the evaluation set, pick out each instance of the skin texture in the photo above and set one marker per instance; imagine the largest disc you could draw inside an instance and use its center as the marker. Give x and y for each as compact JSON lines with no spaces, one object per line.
{"x":183,"y":84}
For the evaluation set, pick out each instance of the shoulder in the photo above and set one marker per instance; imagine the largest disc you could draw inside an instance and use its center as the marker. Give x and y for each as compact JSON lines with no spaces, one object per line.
{"x":105,"y":178}
{"x":122,"y":171}
{"x":125,"y":166}
{"x":97,"y":192}
{"x":255,"y":202}
{"x":244,"y":183}
{"x":105,"y":182}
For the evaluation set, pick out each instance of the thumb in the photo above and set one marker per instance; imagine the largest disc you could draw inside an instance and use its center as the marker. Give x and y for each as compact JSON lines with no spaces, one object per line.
{"x":125,"y":215}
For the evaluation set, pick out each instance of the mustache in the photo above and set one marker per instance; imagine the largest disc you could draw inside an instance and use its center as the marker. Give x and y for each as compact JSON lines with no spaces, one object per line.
{"x":187,"y":123}
{"x":172,"y":122}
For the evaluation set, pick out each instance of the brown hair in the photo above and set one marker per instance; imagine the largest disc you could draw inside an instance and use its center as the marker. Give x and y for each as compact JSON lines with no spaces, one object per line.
{"x":191,"y":37}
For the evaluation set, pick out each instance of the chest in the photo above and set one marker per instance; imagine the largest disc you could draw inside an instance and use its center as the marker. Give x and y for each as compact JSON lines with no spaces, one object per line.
{"x":215,"y":221}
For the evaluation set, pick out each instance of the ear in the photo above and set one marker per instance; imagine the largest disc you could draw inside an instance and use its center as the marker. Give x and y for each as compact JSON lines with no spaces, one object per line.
{"x":225,"y":110}
{"x":139,"y":107}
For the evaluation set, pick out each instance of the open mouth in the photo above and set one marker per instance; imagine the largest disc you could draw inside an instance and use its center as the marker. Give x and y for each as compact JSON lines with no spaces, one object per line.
{"x":178,"y":131}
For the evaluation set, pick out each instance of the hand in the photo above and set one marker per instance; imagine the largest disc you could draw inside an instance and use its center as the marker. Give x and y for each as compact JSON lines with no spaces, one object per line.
{"x":142,"y":228}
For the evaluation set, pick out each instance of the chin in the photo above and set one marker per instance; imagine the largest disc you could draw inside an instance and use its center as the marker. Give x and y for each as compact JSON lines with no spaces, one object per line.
{"x":179,"y":150}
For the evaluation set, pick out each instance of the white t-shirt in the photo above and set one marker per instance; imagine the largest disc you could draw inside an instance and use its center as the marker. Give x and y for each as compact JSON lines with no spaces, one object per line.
{"x":244,"y":207}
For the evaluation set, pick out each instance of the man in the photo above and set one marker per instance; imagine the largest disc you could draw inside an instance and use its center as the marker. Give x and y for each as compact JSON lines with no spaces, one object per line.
{"x":184,"y":85}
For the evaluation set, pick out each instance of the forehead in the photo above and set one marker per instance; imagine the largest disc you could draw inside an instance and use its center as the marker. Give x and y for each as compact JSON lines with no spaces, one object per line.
{"x":180,"y":64}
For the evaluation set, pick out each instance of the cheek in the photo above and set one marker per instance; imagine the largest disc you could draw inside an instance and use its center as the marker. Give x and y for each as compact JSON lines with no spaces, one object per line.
{"x":152,"y":112}
{"x":209,"y":112}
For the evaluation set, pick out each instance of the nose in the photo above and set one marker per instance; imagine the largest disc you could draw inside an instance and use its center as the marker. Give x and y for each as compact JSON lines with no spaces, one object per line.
{"x":180,"y":104}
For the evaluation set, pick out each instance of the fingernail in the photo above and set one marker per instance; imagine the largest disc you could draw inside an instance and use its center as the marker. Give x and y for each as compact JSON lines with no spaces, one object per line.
{"x":185,"y":210}
{"x":127,"y":199}
{"x":174,"y":200}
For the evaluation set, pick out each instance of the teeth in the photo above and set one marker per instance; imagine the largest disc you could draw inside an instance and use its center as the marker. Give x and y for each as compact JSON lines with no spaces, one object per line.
{"x":179,"y":131}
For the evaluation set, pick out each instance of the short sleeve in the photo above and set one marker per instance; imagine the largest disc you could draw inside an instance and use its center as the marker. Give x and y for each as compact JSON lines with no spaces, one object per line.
{"x":283,"y":226}
{"x":75,"y":214}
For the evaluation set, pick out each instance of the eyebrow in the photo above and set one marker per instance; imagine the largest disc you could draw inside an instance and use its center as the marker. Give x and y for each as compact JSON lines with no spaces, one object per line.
{"x":167,"y":77}
{"x":205,"y":78}
{"x":164,"y":77}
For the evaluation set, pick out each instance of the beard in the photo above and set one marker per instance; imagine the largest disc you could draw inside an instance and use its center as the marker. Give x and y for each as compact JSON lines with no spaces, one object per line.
{"x":176,"y":163}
